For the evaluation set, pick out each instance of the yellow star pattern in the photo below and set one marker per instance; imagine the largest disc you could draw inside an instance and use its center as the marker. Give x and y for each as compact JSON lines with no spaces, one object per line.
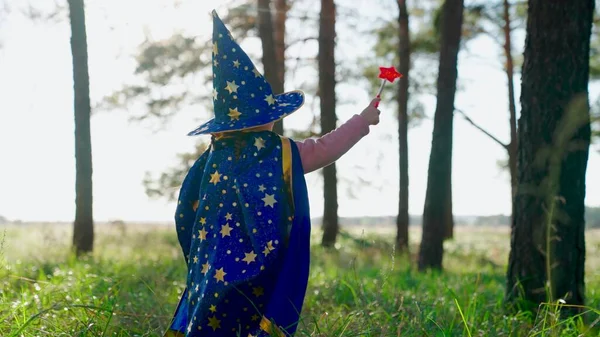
{"x":234,"y":114}
{"x":256,"y":73}
{"x":195,"y":259}
{"x":269,"y":200}
{"x":259,"y":143}
{"x":214,"y":323}
{"x":255,"y":317}
{"x":270,"y":99}
{"x":225,"y":230}
{"x":228,"y":216}
{"x":249,"y":257}
{"x":202,"y":234}
{"x":213,"y":308}
{"x":236,"y":63}
{"x":231,"y":87}
{"x":261,"y":188}
{"x":205,"y":268}
{"x":266,"y":251}
{"x":220,"y":275}
{"x":215,"y":94}
{"x":258,"y":291}
{"x":203,"y":221}
{"x":215,"y":177}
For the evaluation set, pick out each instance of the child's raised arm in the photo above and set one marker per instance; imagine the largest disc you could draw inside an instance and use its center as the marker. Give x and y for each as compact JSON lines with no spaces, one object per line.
{"x":320,"y":152}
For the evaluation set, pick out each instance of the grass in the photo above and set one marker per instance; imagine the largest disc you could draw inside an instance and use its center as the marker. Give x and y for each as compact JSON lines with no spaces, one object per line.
{"x":130,"y":287}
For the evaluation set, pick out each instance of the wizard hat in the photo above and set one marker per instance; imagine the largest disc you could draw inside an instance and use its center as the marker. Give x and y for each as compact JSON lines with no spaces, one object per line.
{"x":242,"y":98}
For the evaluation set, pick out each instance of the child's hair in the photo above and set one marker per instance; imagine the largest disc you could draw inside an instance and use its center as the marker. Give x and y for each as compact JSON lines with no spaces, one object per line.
{"x":231,"y":134}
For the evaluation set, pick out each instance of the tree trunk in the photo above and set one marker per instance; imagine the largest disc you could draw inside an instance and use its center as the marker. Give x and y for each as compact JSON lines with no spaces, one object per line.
{"x":269,"y":58}
{"x":509,"y":68}
{"x":438,"y":195}
{"x":449,"y":217}
{"x":402,"y":220}
{"x":546,"y":260}
{"x":328,"y":116}
{"x":281,"y":9}
{"x":83,"y":227}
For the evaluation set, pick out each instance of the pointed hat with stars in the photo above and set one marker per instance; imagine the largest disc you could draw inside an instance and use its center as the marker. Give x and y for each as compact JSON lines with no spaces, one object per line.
{"x":242,"y":98}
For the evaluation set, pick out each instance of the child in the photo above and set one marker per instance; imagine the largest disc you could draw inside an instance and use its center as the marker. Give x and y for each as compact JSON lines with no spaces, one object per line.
{"x":242,"y":218}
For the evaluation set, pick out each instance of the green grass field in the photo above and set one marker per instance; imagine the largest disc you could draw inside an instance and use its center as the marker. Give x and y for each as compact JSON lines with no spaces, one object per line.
{"x":131,"y":285}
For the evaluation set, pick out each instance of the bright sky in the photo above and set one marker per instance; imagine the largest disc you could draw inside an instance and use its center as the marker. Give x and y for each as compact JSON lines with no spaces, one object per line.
{"x":36,"y":123}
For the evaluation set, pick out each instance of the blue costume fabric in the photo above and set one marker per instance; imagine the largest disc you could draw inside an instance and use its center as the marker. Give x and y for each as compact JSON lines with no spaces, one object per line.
{"x":242,"y":218}
{"x":243,"y":224}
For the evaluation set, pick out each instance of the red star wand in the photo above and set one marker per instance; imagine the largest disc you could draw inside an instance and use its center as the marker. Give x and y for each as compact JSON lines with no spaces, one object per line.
{"x":387,"y":74}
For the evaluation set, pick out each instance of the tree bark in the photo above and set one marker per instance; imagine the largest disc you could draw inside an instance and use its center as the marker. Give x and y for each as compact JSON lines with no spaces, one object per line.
{"x":402,"y":221}
{"x":328,"y":117}
{"x":509,"y":68}
{"x":547,"y":256}
{"x":281,"y":9}
{"x":439,"y":193}
{"x":271,"y":63}
{"x":83,"y":227}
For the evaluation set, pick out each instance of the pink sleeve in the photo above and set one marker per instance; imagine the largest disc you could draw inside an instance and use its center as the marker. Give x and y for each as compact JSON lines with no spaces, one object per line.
{"x":320,"y":152}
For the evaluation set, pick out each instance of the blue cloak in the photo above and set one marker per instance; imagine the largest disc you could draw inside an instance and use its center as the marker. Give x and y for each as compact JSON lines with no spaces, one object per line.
{"x":243,"y":224}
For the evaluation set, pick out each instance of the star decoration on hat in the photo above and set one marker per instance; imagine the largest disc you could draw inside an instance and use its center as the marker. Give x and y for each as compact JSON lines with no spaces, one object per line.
{"x":232,"y":87}
{"x":234,"y":114}
{"x":269,"y":99}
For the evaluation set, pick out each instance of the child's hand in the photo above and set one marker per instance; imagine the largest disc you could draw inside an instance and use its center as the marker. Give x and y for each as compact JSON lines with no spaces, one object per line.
{"x":371,"y":113}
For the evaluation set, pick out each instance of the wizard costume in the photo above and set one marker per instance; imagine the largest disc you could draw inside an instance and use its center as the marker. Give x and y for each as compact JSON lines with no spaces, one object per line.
{"x":242,"y":217}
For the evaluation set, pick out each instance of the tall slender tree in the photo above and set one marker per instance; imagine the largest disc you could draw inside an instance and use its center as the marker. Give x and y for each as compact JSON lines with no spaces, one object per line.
{"x":547,"y":257}
{"x":279,"y":33}
{"x":402,"y":220}
{"x":328,"y":117}
{"x":273,"y":56}
{"x":83,"y":228}
{"x":512,"y":106}
{"x":439,"y":193}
